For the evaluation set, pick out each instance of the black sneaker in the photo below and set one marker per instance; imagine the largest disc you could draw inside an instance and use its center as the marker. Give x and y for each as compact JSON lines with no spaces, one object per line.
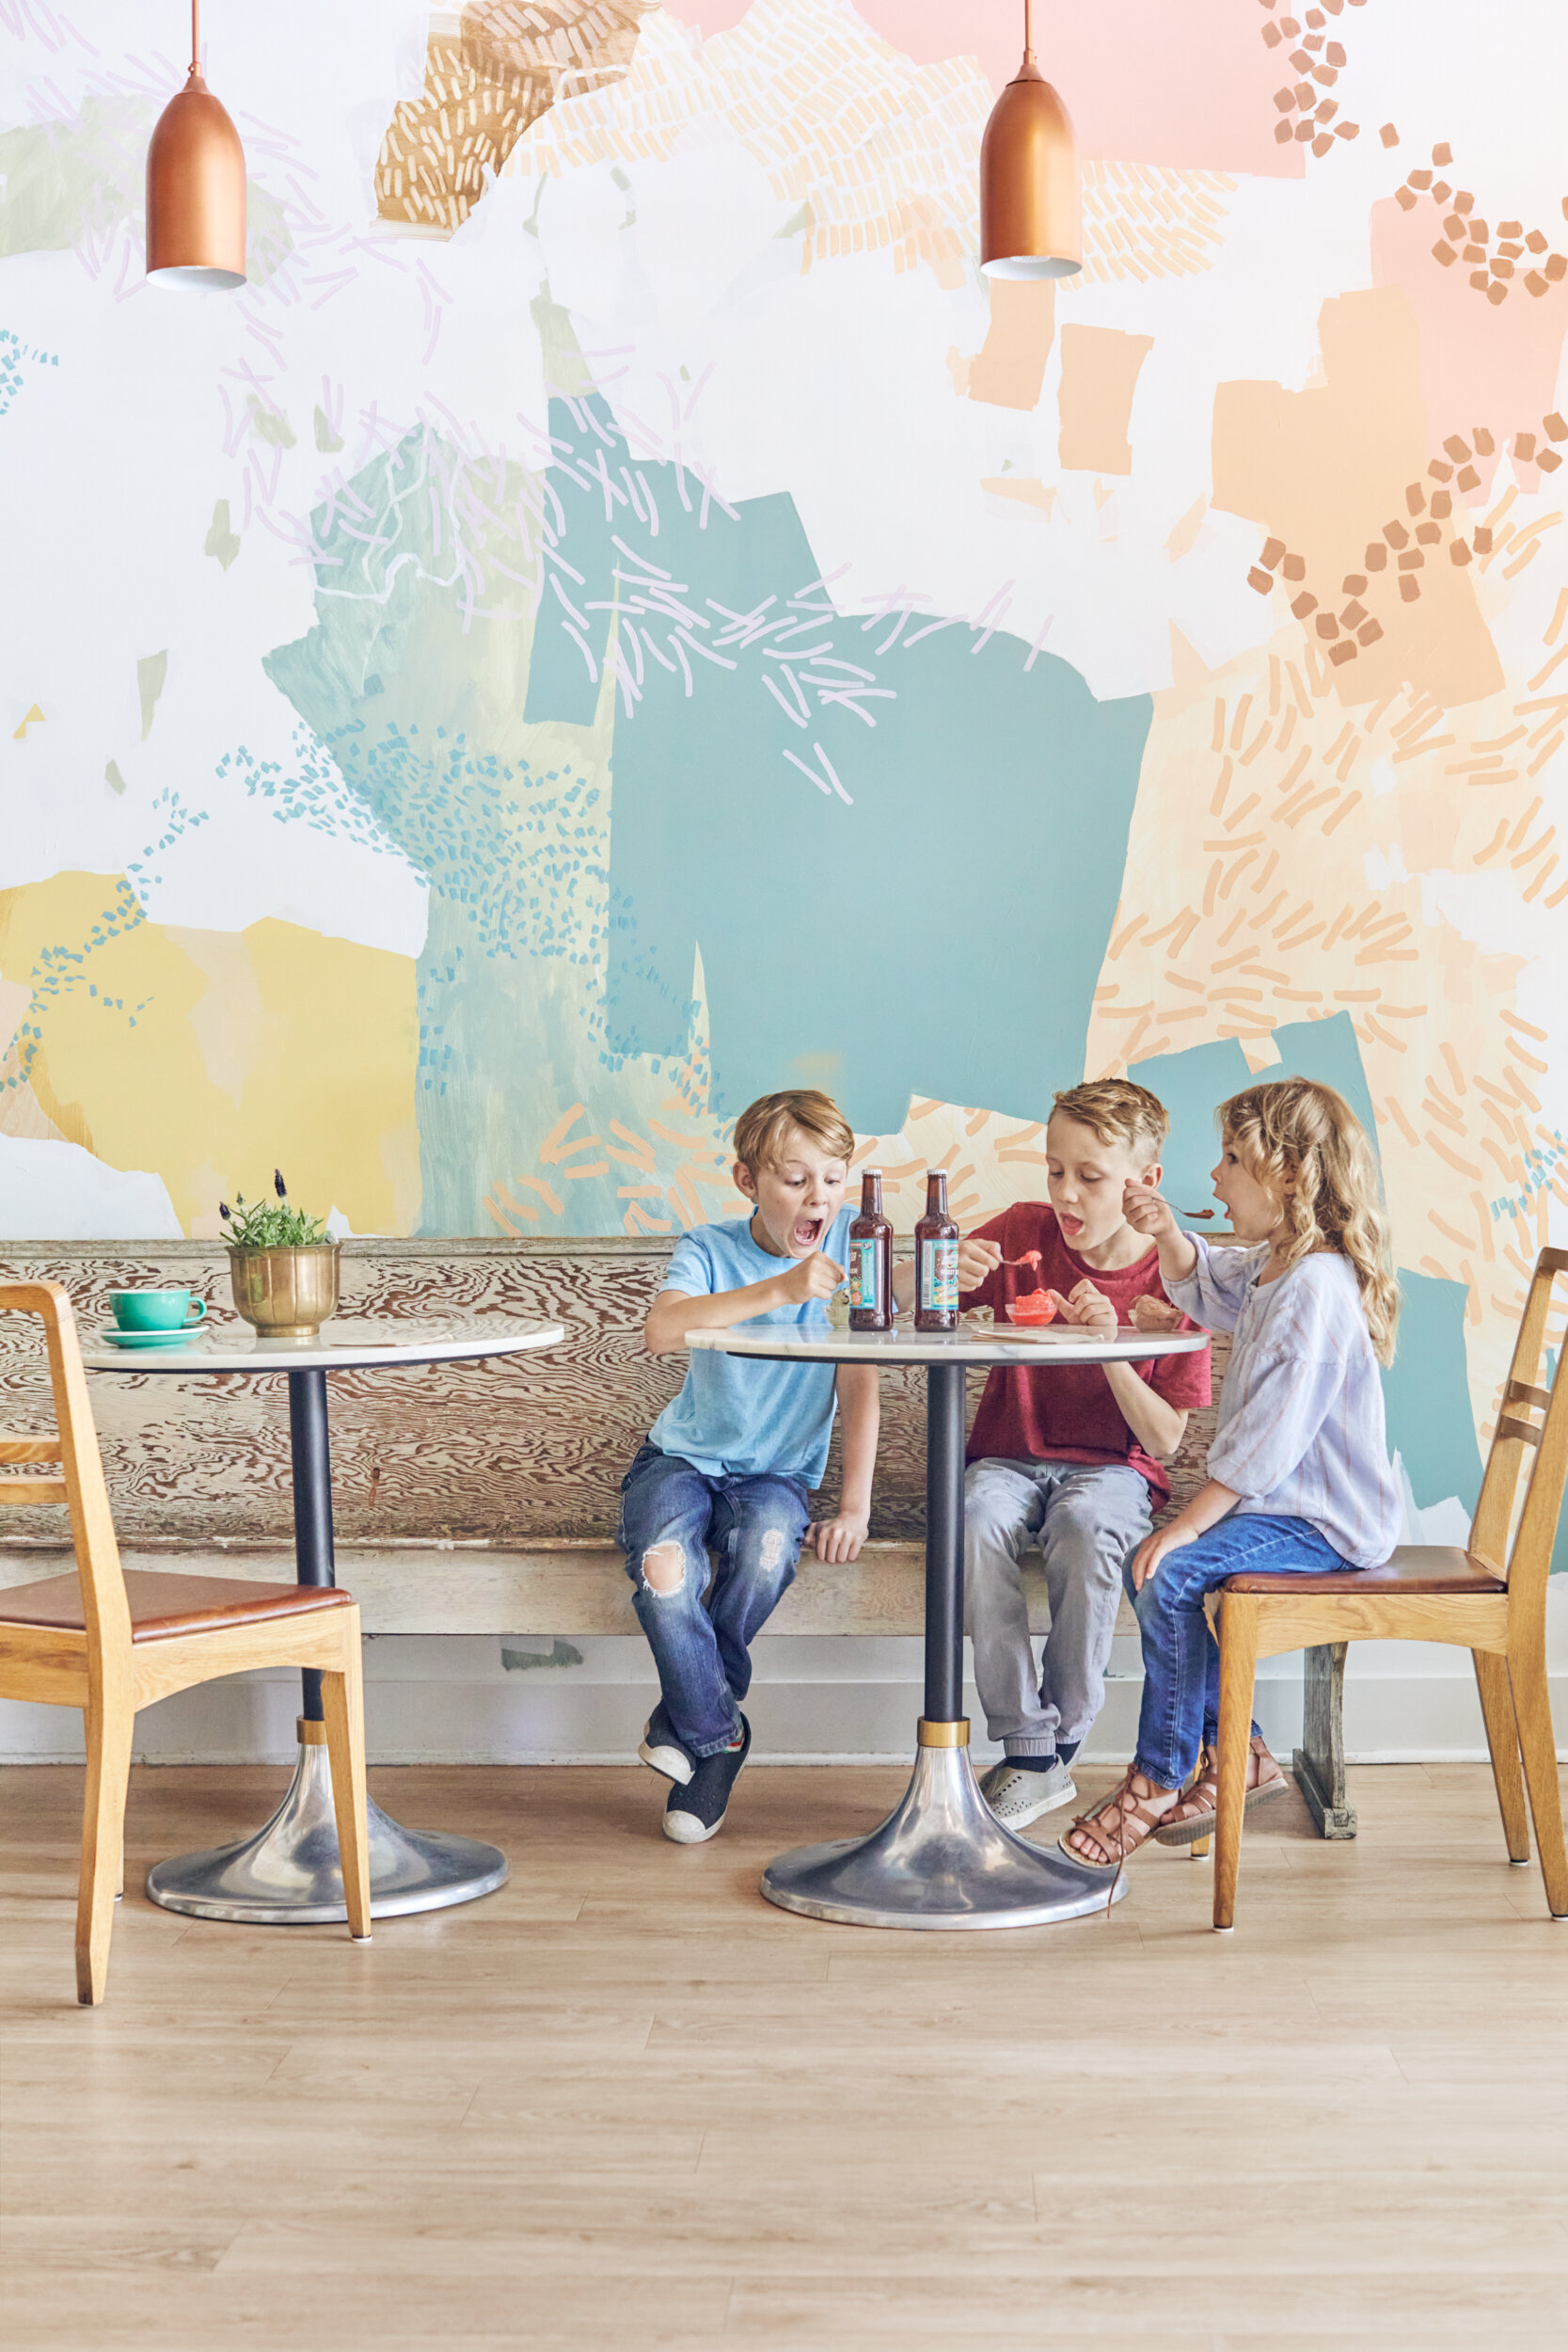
{"x":696,"y":1811}
{"x":663,"y":1751}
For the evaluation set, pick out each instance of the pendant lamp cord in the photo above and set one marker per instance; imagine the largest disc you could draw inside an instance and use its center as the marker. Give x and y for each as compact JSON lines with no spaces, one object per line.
{"x":196,"y":34}
{"x":1028,"y":28}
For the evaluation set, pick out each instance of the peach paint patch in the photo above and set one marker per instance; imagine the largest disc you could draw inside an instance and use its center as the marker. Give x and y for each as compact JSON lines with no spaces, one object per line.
{"x":1201,"y":96}
{"x":1099,"y":375}
{"x":1483,"y":363}
{"x":1329,"y":474}
{"x":1009,"y":366}
{"x":1028,"y":488}
{"x":487,"y":81}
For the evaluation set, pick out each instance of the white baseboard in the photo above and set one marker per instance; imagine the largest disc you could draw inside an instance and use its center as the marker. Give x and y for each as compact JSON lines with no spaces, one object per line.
{"x":816,"y":1699}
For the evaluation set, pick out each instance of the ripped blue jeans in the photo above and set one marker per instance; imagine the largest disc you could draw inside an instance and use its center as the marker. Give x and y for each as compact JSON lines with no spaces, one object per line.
{"x":701,"y":1638}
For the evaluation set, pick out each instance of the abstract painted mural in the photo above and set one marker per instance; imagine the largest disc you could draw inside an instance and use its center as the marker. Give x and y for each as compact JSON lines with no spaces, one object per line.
{"x":618,"y":616}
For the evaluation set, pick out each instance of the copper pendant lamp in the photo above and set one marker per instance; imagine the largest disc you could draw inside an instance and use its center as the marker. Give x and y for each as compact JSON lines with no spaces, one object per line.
{"x":194,"y":187}
{"x":1029,"y":213}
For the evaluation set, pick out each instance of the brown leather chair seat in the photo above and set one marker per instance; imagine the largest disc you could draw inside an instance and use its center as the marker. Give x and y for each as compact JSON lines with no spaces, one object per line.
{"x":162,"y":1606}
{"x":1414,"y":1568}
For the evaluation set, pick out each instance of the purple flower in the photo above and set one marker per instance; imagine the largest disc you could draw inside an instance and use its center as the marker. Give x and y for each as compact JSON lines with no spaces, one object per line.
{"x":278,"y":1186}
{"x":224,"y":1210}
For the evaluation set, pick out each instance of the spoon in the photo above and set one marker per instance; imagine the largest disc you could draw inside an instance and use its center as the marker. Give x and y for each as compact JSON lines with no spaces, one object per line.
{"x":1030,"y":1257}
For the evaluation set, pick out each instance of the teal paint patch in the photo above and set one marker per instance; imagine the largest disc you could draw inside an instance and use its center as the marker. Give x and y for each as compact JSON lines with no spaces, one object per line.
{"x":414,"y":705}
{"x":480,"y":744}
{"x":826,"y":807}
{"x":15,"y":358}
{"x":516,"y":1661}
{"x":1426,"y":1395}
{"x":1193,"y":1085}
{"x":1426,"y":1391}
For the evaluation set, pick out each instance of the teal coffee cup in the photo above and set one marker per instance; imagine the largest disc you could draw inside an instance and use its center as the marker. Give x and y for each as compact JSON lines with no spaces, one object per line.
{"x":156,"y":1311}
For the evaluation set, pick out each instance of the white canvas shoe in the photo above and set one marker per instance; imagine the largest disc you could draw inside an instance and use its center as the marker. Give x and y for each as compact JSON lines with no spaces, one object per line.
{"x":661,"y":1748}
{"x":1018,"y":1797}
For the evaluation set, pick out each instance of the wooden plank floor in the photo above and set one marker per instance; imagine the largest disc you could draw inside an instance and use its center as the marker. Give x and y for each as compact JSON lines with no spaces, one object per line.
{"x":625,"y":2104}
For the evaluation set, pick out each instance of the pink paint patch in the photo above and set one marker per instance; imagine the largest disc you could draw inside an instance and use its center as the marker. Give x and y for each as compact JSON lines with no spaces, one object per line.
{"x":707,"y":17}
{"x":1493,"y":365}
{"x":1145,"y":81}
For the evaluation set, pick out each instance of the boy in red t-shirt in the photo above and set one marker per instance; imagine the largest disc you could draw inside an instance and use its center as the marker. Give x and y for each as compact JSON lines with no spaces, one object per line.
{"x":1066,"y":1455}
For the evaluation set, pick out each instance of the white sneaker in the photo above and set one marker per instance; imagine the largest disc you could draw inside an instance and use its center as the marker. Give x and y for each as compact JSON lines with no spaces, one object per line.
{"x":661,"y":1748}
{"x":1018,"y":1797}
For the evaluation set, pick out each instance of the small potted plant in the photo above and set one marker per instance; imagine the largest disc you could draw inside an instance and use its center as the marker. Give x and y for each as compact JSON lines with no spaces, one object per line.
{"x":282,"y":1263}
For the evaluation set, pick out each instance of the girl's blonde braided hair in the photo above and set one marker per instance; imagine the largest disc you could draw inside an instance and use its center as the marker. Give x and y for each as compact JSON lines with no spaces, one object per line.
{"x":1305,"y":1145}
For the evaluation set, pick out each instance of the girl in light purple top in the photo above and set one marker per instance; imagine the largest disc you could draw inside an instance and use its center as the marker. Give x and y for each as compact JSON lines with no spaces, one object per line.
{"x":1299,"y":1476}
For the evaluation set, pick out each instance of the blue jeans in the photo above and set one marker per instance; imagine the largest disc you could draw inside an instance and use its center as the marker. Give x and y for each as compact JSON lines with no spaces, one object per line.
{"x":700,"y":1645}
{"x":1181,"y":1708}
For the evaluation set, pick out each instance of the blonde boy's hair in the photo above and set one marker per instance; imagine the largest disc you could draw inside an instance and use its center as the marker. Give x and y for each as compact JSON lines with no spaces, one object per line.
{"x":1305,"y":1145}
{"x":1116,"y":1111}
{"x":764,"y":1126}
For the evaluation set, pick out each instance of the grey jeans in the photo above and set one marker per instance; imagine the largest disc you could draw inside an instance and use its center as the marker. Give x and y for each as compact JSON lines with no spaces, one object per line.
{"x":1087,"y":1516}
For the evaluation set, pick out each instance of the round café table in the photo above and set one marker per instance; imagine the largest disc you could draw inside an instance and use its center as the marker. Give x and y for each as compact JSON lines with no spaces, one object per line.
{"x":941,"y":1859}
{"x":288,"y":1873}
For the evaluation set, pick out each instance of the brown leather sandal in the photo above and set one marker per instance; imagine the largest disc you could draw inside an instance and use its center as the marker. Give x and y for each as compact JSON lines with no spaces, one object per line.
{"x":1192,"y":1816}
{"x":1118,"y":1826}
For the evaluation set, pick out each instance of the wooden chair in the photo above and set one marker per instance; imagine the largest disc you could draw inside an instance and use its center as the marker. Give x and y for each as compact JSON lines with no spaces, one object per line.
{"x":1491,"y":1598}
{"x":110,"y":1642}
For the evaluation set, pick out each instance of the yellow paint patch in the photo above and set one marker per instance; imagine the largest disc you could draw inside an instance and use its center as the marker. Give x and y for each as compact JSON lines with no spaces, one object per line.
{"x":19,"y":734}
{"x":199,"y":1054}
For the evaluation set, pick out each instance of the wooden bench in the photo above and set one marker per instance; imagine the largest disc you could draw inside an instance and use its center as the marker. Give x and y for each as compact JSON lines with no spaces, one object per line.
{"x":469,"y":1497}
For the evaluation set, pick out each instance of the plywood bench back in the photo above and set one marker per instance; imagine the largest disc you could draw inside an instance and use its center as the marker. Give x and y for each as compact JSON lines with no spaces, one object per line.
{"x":522,"y":1451}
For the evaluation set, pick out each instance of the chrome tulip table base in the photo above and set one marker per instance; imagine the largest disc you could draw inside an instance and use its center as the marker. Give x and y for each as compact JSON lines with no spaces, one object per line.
{"x":940,"y":1860}
{"x":288,"y":1873}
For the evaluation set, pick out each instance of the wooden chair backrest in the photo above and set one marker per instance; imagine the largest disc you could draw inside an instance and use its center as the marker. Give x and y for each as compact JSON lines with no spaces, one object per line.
{"x":79,"y":1482}
{"x":1533,"y":1423}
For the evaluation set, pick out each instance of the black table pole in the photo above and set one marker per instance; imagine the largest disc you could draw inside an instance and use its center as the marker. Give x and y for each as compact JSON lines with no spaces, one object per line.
{"x":944,"y":1542}
{"x":312,"y":1459}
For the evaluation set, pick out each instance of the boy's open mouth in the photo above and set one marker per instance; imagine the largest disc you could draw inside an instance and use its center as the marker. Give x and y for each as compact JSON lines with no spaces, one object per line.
{"x":1070,"y":1223}
{"x":807,"y":1232}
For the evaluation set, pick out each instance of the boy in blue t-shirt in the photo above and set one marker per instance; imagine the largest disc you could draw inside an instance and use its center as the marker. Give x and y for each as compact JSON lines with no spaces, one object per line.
{"x":730,"y":1462}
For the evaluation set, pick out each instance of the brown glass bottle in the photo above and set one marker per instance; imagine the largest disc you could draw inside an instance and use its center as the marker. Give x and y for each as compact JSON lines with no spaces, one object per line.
{"x":936,"y":1259}
{"x":871,"y":1260}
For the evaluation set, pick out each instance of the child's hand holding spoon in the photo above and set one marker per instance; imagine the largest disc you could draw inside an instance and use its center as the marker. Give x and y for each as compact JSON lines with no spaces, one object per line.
{"x":1147,"y":1213}
{"x":976,"y":1259}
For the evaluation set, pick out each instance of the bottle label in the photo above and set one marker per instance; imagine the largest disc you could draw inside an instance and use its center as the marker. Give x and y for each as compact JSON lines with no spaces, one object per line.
{"x":864,"y":1292}
{"x":939,"y":1277}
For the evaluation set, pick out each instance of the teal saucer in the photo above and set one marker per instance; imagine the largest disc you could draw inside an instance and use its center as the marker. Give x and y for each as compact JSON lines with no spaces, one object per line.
{"x":116,"y":1338}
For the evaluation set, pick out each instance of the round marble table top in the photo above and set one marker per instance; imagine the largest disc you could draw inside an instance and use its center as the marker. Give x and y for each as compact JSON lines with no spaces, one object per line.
{"x":971,"y":1344}
{"x":346,"y":1342}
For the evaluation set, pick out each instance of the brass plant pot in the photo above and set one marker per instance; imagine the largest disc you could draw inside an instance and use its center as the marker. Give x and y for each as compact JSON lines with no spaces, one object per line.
{"x":287,"y":1293}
